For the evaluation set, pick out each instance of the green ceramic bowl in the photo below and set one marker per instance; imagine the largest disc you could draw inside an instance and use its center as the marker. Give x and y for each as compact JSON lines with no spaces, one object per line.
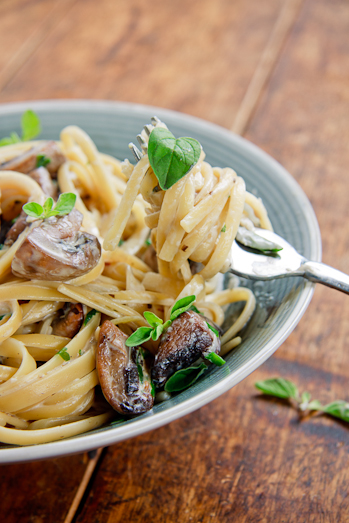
{"x":281,"y":303}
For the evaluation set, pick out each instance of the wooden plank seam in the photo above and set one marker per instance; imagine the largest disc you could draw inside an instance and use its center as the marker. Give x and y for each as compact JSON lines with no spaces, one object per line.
{"x":282,"y":28}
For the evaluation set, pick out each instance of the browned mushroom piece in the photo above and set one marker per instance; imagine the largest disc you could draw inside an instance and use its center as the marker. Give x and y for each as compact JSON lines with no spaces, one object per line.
{"x":123,"y":372}
{"x":16,"y":229}
{"x":43,"y":178}
{"x":26,"y":162}
{"x":150,"y":258}
{"x":187,"y":339}
{"x":69,"y":321}
{"x":57,"y":250}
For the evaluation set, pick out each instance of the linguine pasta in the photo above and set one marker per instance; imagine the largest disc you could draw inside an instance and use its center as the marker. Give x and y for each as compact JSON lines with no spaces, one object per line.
{"x":158,"y":247}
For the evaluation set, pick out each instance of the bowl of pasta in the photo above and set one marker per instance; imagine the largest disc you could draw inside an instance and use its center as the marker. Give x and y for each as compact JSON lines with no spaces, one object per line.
{"x":117,"y":313}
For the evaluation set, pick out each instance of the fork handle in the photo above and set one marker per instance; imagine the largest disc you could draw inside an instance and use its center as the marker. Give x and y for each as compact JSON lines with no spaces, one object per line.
{"x":321,"y":273}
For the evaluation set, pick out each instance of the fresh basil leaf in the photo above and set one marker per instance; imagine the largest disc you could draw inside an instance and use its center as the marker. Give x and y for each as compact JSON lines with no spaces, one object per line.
{"x":254,"y":241}
{"x":279,"y":387}
{"x":80,"y":353}
{"x":64,"y":205}
{"x":184,"y":378}
{"x":9,"y":140}
{"x":171,"y":158}
{"x":224,"y":228}
{"x":30,"y":124}
{"x":64,"y":354}
{"x":33,"y":209}
{"x":48,"y":205}
{"x":152,"y":319}
{"x":212,"y":329}
{"x":215,"y":358}
{"x":90,"y":315}
{"x":42,"y":161}
{"x":140,"y":336}
{"x":147,"y":242}
{"x":121,"y":242}
{"x":338,"y":409}
{"x":181,"y":306}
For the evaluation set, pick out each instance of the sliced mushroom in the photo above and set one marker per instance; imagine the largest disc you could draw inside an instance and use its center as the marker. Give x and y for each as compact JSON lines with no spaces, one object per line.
{"x":69,"y":321}
{"x":150,"y":258}
{"x":185,"y":341}
{"x":26,"y":162}
{"x":57,"y":250}
{"x":16,"y":229}
{"x":123,"y":372}
{"x":43,"y":178}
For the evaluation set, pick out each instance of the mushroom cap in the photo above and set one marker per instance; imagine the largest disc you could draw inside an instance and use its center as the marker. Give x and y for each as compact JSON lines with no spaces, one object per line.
{"x":184,"y":342}
{"x":57,"y":250}
{"x":126,"y":388}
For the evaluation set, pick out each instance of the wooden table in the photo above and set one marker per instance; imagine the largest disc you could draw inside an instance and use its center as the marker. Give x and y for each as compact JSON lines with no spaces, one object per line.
{"x":276,"y":72}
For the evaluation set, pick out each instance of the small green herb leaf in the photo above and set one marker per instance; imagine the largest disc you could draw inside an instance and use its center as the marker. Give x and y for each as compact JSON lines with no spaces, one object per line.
{"x":121,"y":242}
{"x":147,"y":242}
{"x":171,"y":158}
{"x":42,"y":161}
{"x":157,"y":331}
{"x":314,"y":405}
{"x":2,"y":316}
{"x":33,"y":209}
{"x":184,"y":378}
{"x":139,"y":358}
{"x":64,"y":205}
{"x":48,"y":205}
{"x":9,"y":140}
{"x":140,"y":336}
{"x":278,"y":387}
{"x":152,"y":319}
{"x":338,"y":409}
{"x":181,"y":306}
{"x":215,"y":358}
{"x":30,"y":124}
{"x":255,"y":241}
{"x":195,"y":309}
{"x":224,"y":228}
{"x":117,"y":421}
{"x":64,"y":354}
{"x":212,"y":329}
{"x":90,"y":315}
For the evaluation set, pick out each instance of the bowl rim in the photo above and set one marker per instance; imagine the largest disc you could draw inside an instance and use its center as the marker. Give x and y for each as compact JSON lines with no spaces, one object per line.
{"x":89,"y":441}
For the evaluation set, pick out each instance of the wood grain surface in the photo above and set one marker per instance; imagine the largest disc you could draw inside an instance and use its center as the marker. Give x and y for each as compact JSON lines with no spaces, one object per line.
{"x":242,"y":458}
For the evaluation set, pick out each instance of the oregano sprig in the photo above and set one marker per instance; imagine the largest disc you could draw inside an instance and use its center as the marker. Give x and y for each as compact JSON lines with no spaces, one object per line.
{"x":30,"y":127}
{"x":64,"y":205}
{"x":157,"y":325}
{"x":286,"y":389}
